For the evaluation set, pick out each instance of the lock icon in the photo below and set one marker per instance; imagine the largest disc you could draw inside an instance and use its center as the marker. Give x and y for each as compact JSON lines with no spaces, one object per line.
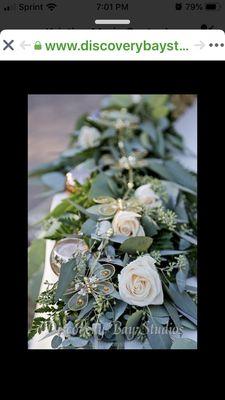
{"x":37,"y":45}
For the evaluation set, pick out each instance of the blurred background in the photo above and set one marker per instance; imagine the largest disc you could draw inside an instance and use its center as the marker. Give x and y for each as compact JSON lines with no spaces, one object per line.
{"x":51,"y":118}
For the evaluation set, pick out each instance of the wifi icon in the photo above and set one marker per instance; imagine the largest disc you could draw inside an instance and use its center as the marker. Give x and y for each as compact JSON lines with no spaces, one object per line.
{"x":51,"y":6}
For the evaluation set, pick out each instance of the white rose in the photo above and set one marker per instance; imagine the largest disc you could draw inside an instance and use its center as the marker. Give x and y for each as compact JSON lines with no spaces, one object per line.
{"x":147,"y":196}
{"x":139,"y":282}
{"x":136,"y":98}
{"x":88,"y":137}
{"x":127,"y":223}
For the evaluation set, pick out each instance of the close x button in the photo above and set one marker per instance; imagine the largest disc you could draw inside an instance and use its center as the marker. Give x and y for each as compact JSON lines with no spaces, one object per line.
{"x":8,"y":45}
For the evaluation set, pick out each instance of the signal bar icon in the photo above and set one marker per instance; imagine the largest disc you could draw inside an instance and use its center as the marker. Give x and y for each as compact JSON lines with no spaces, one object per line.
{"x":11,"y":7}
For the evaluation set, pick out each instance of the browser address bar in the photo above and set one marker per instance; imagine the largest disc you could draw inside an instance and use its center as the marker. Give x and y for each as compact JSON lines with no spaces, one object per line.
{"x":112,"y":45}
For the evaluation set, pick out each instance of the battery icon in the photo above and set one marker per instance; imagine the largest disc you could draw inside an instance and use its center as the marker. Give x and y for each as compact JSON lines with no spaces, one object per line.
{"x":212,"y":6}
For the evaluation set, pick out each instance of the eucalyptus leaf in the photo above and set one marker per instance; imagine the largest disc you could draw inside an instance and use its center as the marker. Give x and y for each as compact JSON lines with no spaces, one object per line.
{"x":132,"y":323}
{"x":84,"y":170}
{"x":184,"y":244}
{"x":56,"y":341}
{"x":173,"y":171}
{"x":43,"y":168}
{"x":36,"y":256}
{"x":108,"y":133}
{"x":182,"y":300}
{"x":172,"y":311}
{"x":102,"y":185}
{"x":66,"y":343}
{"x":119,"y":309}
{"x":150,"y":129}
{"x":189,"y":317}
{"x":181,"y":175}
{"x":78,"y":342}
{"x":133,"y":345}
{"x":88,"y":227}
{"x":136,"y":244}
{"x":145,"y":141}
{"x":188,"y":324}
{"x":180,"y":209}
{"x":186,"y":237}
{"x":160,"y":146}
{"x":172,"y":252}
{"x":158,"y":311}
{"x":34,"y":284}
{"x":54,"y":180}
{"x":118,"y":238}
{"x":120,"y":339}
{"x":86,"y":212}
{"x":67,"y":273}
{"x":157,"y":335}
{"x":181,"y":276}
{"x":106,"y":323}
{"x":162,"y":320}
{"x":163,"y":124}
{"x":74,"y":156}
{"x":98,"y":344}
{"x":121,"y":100}
{"x":96,"y":209}
{"x":70,"y":329}
{"x":184,"y":344}
{"x":173,"y":192}
{"x":149,"y":225}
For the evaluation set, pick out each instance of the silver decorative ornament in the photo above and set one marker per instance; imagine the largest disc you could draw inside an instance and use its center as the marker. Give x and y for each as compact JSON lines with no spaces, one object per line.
{"x":64,"y":250}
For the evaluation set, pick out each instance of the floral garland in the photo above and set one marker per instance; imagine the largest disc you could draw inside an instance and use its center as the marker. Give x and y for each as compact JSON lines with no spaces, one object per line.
{"x":126,"y":234}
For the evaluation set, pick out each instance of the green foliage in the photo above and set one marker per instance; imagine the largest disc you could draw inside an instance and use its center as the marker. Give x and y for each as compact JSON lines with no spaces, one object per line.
{"x":132,"y":323}
{"x":52,"y":316}
{"x":88,"y":227}
{"x":140,"y":130}
{"x":102,"y":185}
{"x":164,"y":218}
{"x":163,"y":241}
{"x":120,"y":101}
{"x":39,"y":325}
{"x":149,"y":225}
{"x":66,"y":205}
{"x":66,"y":224}
{"x":134,"y":245}
{"x":56,"y":341}
{"x":182,"y":273}
{"x":182,"y":300}
{"x":67,"y":273}
{"x":36,"y":258}
{"x":173,"y":313}
{"x":157,"y":335}
{"x":54,"y":180}
{"x":184,"y":344}
{"x":173,"y":171}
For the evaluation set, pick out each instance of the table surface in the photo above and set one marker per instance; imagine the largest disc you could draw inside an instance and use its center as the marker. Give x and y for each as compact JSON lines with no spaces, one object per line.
{"x":186,"y":125}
